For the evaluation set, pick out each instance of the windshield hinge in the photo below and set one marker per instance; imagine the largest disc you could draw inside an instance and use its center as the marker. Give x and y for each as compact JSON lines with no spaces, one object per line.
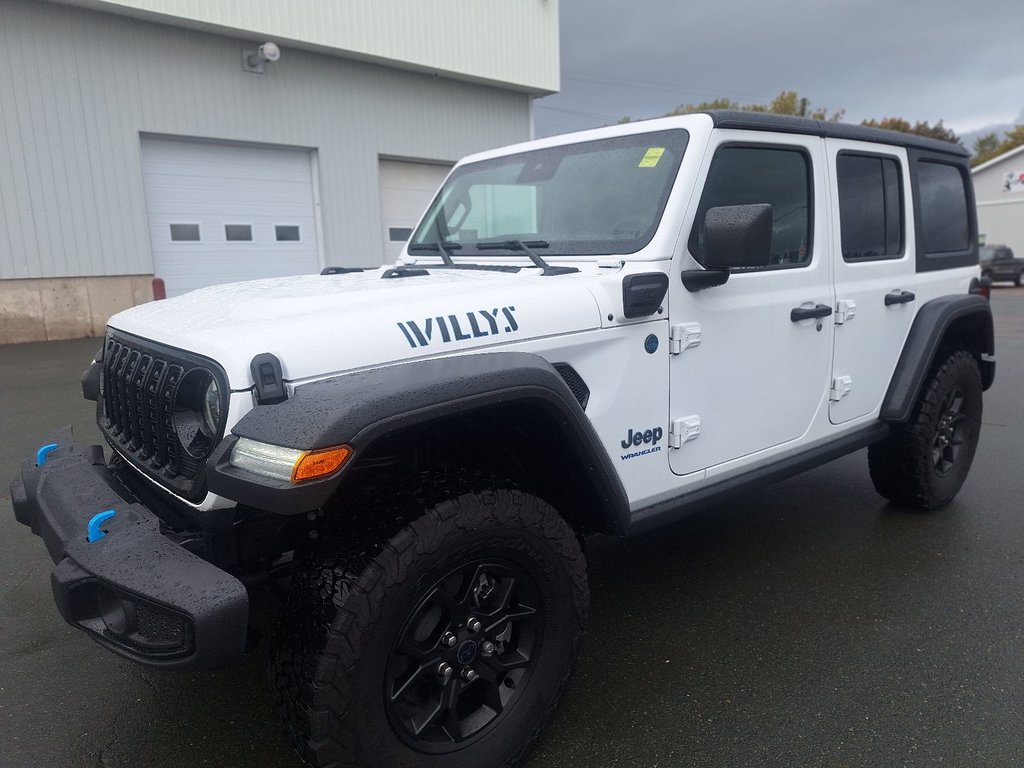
{"x":684,"y":336}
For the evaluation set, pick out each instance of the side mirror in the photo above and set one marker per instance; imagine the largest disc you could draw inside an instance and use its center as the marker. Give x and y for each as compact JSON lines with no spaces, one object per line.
{"x":738,"y":236}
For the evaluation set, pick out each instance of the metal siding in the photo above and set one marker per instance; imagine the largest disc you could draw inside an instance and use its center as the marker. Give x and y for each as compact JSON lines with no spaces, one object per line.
{"x":988,"y":183}
{"x":78,"y":88}
{"x":1000,"y":214}
{"x":514,"y":42}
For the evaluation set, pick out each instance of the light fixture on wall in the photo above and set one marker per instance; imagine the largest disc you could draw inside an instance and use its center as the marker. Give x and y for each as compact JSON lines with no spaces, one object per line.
{"x":255,"y":61}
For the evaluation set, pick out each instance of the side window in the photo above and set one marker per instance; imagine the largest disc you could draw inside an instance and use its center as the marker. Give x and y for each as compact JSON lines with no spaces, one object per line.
{"x":943,"y":200}
{"x":781,"y":178}
{"x":870,"y":206}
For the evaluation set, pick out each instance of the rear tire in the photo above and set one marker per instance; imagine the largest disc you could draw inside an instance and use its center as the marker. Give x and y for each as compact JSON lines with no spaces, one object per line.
{"x":1019,"y":279}
{"x":922,"y":464}
{"x":450,"y":647}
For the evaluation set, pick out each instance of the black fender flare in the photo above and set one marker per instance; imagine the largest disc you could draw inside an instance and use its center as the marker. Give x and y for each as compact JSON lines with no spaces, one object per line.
{"x":357,"y":408}
{"x":930,"y":329}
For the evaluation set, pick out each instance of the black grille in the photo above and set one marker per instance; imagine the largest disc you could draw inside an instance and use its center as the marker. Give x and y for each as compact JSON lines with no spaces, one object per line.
{"x":140,"y":381}
{"x":159,"y":628}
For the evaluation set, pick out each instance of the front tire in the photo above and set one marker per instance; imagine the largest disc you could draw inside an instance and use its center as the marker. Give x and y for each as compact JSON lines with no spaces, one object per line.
{"x":450,"y":648}
{"x":922,"y":464}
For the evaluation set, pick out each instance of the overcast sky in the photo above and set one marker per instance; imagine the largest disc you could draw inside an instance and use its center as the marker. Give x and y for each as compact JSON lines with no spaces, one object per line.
{"x":918,"y":59}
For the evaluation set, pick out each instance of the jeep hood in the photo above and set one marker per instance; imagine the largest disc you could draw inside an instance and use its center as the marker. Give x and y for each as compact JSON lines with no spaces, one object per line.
{"x":319,"y":325}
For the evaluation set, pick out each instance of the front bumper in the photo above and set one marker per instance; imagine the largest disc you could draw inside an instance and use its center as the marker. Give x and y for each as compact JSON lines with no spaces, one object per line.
{"x":134,"y":590}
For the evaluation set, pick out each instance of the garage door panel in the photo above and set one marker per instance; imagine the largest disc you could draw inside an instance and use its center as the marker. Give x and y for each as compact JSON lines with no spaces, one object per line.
{"x":173,"y":200}
{"x":216,"y":159}
{"x":213,"y":185}
{"x":406,"y":189}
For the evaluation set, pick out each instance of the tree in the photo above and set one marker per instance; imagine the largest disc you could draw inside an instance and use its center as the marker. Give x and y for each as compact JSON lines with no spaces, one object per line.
{"x":704,"y":106}
{"x":989,"y":147}
{"x":786,"y":103}
{"x":920,"y":128}
{"x":985,"y":148}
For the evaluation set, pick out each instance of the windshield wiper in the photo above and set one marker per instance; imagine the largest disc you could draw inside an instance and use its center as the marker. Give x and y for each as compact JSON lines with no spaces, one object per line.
{"x":527,"y":248}
{"x":442,"y":247}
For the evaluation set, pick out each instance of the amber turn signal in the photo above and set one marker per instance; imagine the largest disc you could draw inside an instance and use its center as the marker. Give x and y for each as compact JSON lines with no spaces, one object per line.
{"x":313,"y":465}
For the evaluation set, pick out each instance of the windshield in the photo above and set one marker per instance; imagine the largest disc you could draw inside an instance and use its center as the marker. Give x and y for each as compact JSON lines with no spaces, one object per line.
{"x":985,"y":253}
{"x":596,"y":198}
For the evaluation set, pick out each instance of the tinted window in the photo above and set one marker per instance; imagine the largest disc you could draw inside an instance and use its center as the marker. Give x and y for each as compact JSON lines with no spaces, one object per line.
{"x":751,"y":175}
{"x":399,"y":234}
{"x":286,"y":233}
{"x":870,"y":206}
{"x":943,"y":199}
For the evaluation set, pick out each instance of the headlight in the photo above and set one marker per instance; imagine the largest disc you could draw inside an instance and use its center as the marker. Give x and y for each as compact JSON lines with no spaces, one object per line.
{"x":211,"y":407}
{"x":197,"y":412}
{"x":288,"y":464}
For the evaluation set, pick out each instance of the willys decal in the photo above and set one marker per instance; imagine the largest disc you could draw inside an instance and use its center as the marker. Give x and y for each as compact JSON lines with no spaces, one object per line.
{"x":467,"y":325}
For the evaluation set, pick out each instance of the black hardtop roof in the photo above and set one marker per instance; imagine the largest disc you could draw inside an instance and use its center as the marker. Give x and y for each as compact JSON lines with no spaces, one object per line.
{"x":762,"y":121}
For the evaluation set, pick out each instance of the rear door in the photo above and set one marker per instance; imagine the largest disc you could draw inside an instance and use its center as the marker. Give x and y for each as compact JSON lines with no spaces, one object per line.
{"x":874,"y":272}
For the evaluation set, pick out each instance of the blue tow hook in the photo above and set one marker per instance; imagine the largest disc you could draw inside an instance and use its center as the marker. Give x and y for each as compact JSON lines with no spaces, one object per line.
{"x":43,"y":452}
{"x":95,"y":532}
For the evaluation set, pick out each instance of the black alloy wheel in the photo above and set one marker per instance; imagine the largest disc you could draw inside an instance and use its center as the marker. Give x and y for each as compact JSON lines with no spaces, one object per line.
{"x":464,"y":655}
{"x":949,"y":432}
{"x":446,"y":643}
{"x":923,"y":463}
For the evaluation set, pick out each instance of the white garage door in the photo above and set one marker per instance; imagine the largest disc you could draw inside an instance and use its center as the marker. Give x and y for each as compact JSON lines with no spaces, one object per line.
{"x":219,"y":213}
{"x":406,"y":189}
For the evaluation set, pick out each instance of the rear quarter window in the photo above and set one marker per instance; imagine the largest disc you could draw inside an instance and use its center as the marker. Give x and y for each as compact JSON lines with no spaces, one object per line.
{"x":945,"y":223}
{"x":945,"y":220}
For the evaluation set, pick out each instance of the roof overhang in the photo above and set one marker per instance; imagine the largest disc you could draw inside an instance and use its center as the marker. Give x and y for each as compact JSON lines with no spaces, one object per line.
{"x":511,"y":44}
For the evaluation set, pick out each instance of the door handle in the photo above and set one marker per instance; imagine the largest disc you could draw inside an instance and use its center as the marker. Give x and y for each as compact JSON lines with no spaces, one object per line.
{"x":807,"y":313}
{"x":898,"y":297}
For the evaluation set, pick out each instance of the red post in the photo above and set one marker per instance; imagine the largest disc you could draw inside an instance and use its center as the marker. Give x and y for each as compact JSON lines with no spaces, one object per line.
{"x":159,"y":289}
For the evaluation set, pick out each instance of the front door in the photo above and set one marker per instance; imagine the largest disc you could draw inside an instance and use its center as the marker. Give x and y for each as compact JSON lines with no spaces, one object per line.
{"x":758,"y":376}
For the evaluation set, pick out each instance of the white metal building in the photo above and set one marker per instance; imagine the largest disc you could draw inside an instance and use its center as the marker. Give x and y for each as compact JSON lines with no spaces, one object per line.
{"x":999,"y":190}
{"x":135,"y":141}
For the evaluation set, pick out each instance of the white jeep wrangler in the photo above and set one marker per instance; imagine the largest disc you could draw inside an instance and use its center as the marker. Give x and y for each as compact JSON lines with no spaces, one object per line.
{"x":592,"y":333}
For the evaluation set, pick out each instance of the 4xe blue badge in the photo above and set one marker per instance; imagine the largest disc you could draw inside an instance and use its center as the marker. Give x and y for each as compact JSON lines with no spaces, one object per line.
{"x":637,"y":438}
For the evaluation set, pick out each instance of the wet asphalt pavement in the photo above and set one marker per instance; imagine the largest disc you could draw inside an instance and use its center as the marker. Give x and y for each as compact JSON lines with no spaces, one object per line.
{"x":809,"y":624}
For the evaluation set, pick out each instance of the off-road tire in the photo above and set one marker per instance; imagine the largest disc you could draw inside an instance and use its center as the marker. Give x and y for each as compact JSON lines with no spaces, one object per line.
{"x":346,"y":610}
{"x":905,"y":467}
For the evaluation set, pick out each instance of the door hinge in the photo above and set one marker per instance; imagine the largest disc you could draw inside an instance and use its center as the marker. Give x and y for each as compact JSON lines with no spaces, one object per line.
{"x":845,"y":310}
{"x":683,"y":431}
{"x":683,"y":337}
{"x":841,"y":386}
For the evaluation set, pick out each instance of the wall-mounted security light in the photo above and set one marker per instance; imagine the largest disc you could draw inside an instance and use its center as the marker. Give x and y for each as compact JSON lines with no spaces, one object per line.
{"x":255,"y":61}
